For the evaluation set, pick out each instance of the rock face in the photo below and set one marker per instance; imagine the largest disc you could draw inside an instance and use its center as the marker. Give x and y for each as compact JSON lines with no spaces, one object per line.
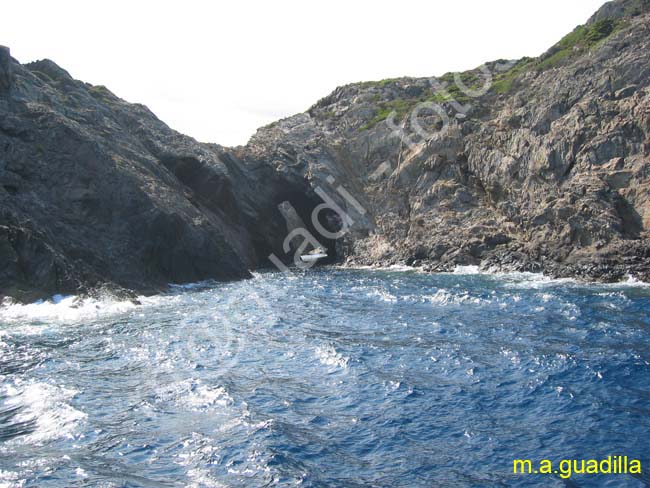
{"x":95,"y":191}
{"x":540,"y":164}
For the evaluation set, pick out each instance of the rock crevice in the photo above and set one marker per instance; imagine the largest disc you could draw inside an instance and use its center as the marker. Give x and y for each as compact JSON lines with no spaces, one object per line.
{"x":547,"y":170}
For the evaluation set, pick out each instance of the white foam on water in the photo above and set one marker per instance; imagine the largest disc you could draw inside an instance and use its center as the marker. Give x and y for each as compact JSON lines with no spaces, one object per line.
{"x":534,"y":281}
{"x":201,"y":478}
{"x":539,"y":281}
{"x":200,"y":451}
{"x":467,"y":270}
{"x":616,"y":295}
{"x":46,"y":405}
{"x":10,"y":479}
{"x":527,"y":279}
{"x":392,"y":385}
{"x":400,"y":267}
{"x":355,"y":266}
{"x":329,"y":356}
{"x":45,"y":315}
{"x":383,"y":295}
{"x":629,"y":282}
{"x":203,"y":397}
{"x":445,"y":297}
{"x":392,"y":267}
{"x":195,"y":450}
{"x":517,"y":279}
{"x":193,"y":395}
{"x":63,"y":308}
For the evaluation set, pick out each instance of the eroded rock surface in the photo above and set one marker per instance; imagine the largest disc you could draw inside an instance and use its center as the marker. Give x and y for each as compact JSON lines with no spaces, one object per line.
{"x":96,"y":191}
{"x":545,"y":170}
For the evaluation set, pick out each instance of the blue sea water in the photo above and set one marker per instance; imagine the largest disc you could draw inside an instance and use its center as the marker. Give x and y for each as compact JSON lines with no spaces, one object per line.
{"x":334,"y":377}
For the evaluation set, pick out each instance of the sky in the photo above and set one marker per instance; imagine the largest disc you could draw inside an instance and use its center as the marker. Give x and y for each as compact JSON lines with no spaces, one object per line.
{"x":218,"y":70}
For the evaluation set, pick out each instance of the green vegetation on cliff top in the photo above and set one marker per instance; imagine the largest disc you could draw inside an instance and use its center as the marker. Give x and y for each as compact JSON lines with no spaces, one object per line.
{"x":403,"y":106}
{"x":581,"y":39}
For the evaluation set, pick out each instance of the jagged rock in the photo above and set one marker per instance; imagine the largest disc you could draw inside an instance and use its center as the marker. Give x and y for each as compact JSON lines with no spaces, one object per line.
{"x":545,"y":171}
{"x":97,"y":192}
{"x":555,"y":164}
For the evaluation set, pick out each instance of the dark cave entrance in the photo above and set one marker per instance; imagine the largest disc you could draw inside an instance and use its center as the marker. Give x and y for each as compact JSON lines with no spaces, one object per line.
{"x":328,"y":223}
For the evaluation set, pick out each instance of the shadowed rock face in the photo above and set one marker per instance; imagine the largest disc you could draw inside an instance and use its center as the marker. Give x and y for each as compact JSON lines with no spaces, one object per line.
{"x":547,"y":170}
{"x":95,"y":191}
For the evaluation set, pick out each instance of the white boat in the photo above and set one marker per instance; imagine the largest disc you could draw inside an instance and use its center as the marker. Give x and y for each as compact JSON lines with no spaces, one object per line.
{"x":314,"y":255}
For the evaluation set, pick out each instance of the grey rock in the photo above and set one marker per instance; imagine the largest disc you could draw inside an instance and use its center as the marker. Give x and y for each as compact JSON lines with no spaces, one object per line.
{"x":546,"y":171}
{"x":98,"y":193}
{"x":5,"y":69}
{"x":550,"y":174}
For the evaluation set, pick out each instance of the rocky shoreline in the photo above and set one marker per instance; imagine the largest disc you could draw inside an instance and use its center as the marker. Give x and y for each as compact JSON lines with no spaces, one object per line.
{"x":607,"y":267}
{"x":539,"y":164}
{"x":545,"y":171}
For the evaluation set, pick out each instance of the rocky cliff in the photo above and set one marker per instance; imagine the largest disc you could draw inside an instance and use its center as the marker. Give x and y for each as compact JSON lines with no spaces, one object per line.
{"x":538,"y":164}
{"x":97,"y":192}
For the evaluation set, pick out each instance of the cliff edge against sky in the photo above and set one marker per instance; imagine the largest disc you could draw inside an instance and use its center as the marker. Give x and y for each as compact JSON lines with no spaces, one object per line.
{"x":540,"y":164}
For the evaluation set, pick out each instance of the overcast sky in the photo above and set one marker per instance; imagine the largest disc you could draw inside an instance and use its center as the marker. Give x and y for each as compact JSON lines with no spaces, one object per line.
{"x":218,"y":70}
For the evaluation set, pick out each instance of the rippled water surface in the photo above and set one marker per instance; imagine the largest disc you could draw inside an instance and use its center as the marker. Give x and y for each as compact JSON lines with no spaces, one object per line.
{"x":330,"y":378}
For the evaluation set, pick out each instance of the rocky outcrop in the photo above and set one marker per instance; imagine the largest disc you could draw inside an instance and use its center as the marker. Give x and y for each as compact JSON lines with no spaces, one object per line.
{"x":540,"y":164}
{"x":95,"y":191}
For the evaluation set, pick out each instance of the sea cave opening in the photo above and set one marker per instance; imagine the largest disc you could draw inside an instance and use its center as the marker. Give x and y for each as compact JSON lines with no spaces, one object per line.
{"x":321,"y":224}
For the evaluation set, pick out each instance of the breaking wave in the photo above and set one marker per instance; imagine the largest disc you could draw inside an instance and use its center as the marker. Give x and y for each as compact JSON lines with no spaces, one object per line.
{"x":325,"y":378}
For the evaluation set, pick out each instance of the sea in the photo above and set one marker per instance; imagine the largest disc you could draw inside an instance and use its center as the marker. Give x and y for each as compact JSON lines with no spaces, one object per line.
{"x":330,"y":377}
